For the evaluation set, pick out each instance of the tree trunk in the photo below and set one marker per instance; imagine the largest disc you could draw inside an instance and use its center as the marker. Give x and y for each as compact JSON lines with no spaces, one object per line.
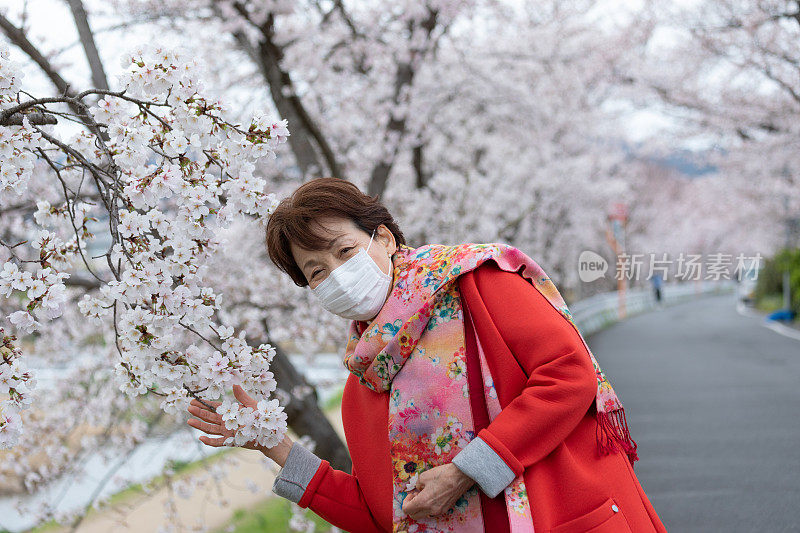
{"x":308,"y":143}
{"x":99,"y":78}
{"x":304,"y":415}
{"x":395,"y":129}
{"x":278,"y":82}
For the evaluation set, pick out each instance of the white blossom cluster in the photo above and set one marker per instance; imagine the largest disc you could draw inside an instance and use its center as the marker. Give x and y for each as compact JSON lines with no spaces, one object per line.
{"x":16,"y":158}
{"x":15,"y":385}
{"x":10,"y":76}
{"x":45,"y":289}
{"x":178,"y":171}
{"x":263,"y":424}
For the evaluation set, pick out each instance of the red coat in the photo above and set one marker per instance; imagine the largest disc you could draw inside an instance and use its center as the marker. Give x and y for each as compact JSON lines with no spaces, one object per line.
{"x":546,"y":428}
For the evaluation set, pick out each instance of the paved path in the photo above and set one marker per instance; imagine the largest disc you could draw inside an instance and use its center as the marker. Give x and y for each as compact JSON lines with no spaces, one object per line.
{"x":713,"y":400}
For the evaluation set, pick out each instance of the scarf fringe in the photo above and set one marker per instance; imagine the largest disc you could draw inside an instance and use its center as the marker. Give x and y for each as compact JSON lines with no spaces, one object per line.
{"x":612,"y":430}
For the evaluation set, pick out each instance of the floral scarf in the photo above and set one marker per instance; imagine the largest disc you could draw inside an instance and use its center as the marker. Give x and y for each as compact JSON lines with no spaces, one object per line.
{"x":420,"y":329}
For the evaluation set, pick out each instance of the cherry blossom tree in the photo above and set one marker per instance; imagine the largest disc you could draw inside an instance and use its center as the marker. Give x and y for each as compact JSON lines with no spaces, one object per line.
{"x":726,"y":71}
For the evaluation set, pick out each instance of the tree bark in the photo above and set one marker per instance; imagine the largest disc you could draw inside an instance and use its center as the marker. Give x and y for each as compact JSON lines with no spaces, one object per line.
{"x":305,"y":417}
{"x":99,"y":77}
{"x":396,"y":126}
{"x":267,"y":55}
{"x":18,"y":37}
{"x":419,"y":166}
{"x":35,"y":118}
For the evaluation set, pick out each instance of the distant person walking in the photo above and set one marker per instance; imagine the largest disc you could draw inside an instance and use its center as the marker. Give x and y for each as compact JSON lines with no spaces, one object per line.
{"x":657,"y":282}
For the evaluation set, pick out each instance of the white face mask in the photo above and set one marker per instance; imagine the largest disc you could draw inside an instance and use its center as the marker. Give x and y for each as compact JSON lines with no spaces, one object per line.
{"x":356,"y":289}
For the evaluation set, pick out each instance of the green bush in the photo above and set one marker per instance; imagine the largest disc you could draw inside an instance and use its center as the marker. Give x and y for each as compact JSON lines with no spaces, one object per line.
{"x":770,"y":277}
{"x":769,"y":303}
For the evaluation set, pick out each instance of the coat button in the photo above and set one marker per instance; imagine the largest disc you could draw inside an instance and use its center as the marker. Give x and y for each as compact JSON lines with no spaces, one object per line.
{"x":614,"y":508}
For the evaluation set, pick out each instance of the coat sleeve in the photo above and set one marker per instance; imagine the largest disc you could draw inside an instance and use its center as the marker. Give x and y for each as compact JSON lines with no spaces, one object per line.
{"x":334,"y":495}
{"x":560,"y":388}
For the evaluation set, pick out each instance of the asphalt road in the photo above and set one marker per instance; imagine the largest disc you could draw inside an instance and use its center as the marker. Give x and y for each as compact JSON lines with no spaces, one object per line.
{"x":712,"y":398}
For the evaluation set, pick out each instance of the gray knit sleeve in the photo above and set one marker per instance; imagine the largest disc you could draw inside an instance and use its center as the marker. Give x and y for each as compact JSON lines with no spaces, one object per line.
{"x":480,"y":462}
{"x":293,"y":478}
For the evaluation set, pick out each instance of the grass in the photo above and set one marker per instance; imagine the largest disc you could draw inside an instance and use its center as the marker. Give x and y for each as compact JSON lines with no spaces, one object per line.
{"x":334,"y":401}
{"x":772,"y":302}
{"x":269,"y":516}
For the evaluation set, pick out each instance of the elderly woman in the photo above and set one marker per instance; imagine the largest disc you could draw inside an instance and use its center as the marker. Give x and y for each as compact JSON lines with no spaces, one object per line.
{"x":473,"y":403}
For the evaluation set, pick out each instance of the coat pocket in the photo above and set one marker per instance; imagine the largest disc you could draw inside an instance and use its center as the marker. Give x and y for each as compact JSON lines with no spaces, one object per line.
{"x":605,"y":518}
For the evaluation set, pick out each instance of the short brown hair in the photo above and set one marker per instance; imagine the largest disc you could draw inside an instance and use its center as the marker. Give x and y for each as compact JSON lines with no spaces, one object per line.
{"x":295,"y":215}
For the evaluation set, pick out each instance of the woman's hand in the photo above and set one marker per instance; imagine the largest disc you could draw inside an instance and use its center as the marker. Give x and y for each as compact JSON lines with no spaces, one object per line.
{"x":210,"y":422}
{"x":441,"y":487}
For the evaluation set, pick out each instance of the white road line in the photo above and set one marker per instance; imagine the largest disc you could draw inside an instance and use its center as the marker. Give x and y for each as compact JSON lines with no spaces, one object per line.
{"x":786,"y":331}
{"x":775,"y":326}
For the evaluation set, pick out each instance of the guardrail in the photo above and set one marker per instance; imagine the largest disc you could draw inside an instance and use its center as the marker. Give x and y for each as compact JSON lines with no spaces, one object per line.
{"x":596,"y":312}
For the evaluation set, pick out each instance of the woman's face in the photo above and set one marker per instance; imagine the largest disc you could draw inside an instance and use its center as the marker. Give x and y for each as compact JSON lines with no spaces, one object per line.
{"x":346,"y":240}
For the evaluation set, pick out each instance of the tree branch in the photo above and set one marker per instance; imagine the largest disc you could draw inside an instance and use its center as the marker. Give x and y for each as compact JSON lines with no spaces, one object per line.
{"x":35,"y":118}
{"x":268,"y":55}
{"x":99,"y":78}
{"x":396,"y":126}
{"x":18,"y":37}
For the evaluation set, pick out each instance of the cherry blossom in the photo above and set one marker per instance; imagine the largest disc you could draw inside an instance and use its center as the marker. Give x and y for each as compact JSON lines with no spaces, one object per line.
{"x":172,"y":171}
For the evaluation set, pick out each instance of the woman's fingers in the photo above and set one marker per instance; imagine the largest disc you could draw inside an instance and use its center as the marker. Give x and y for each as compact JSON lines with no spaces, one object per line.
{"x":412,"y":505}
{"x":215,"y":442}
{"x":243,"y":397}
{"x":204,"y":414}
{"x":211,"y":429}
{"x":198,"y":403}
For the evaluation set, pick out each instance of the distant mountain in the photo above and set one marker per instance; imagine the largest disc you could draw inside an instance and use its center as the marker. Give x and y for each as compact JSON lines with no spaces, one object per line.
{"x":687,"y":162}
